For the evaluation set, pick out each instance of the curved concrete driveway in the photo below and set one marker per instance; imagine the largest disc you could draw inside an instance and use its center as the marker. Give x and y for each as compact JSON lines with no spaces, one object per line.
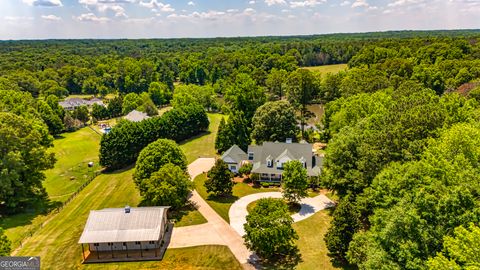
{"x":216,"y":230}
{"x":238,"y":211}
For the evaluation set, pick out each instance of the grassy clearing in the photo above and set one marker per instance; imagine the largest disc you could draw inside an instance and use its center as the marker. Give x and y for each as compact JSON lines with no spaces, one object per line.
{"x":202,"y":257}
{"x":204,"y":144}
{"x":311,"y":232}
{"x":292,"y":208}
{"x":221,"y":205}
{"x":328,"y":68}
{"x":73,"y":152}
{"x":187,"y":216}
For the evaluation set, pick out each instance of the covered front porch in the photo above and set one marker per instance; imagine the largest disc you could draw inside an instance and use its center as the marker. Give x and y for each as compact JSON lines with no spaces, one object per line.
{"x":90,"y":256}
{"x":270,"y":177}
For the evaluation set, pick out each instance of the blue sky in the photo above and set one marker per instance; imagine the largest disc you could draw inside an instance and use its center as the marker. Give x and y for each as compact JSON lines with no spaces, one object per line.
{"x":41,"y":19}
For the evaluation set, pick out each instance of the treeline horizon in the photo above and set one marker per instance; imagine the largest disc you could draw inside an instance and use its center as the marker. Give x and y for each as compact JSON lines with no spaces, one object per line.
{"x":360,"y":35}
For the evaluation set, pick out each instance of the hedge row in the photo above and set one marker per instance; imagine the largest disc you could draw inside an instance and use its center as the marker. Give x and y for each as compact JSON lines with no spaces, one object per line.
{"x":121,"y":146}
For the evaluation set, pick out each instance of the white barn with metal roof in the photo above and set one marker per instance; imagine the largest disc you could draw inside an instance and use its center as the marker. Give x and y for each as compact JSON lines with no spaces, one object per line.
{"x":125,"y":229}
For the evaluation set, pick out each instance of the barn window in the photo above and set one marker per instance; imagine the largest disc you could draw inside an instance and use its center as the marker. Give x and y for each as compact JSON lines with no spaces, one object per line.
{"x":137,"y":243}
{"x":151,"y":242}
{"x":96,"y":244}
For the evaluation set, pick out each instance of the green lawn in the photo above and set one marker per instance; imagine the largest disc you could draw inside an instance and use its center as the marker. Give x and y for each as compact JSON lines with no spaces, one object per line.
{"x":202,"y":257}
{"x":292,"y":208}
{"x":187,"y":216}
{"x":221,"y":205}
{"x":204,"y":144}
{"x":73,"y":152}
{"x":311,"y":244}
{"x":328,"y":68}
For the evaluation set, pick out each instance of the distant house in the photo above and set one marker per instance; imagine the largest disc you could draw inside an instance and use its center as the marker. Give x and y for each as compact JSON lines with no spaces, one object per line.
{"x":136,"y":116}
{"x":234,"y":158}
{"x":71,"y":104}
{"x":124,"y":234}
{"x":269,"y":158}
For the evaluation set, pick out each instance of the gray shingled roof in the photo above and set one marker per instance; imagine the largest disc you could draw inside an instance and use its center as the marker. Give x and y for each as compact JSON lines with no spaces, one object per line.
{"x":114,"y":225}
{"x":235,"y":153}
{"x":278,"y":150}
{"x":136,"y":116}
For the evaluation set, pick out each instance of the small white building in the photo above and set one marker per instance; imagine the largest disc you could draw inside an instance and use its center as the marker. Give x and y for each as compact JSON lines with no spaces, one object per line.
{"x":117,"y":232}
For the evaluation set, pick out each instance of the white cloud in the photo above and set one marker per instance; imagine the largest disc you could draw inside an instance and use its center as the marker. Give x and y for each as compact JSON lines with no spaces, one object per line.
{"x":398,"y":3}
{"x":251,"y":2}
{"x":118,"y":10}
{"x":51,"y":18}
{"x":232,"y":10}
{"x":191,"y":3}
{"x":17,"y":18}
{"x":345,"y":3}
{"x":275,"y":2}
{"x":307,"y":3}
{"x":44,"y":3}
{"x":90,"y":17}
{"x":249,"y":11}
{"x":157,"y":6}
{"x":360,"y":3}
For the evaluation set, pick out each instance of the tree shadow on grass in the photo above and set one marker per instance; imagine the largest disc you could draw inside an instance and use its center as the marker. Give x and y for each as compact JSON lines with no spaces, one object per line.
{"x":286,"y":261}
{"x":222,"y":198}
{"x":194,"y":137}
{"x":178,"y":214}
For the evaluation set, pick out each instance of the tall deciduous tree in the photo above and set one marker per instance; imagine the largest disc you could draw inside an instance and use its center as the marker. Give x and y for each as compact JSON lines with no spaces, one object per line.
{"x":235,"y":131}
{"x":245,"y":95}
{"x":274,"y":121}
{"x":168,"y":186}
{"x":268,"y":231}
{"x":24,"y":143}
{"x":276,"y":83}
{"x":460,"y":251}
{"x":345,"y":223}
{"x":301,"y":88}
{"x":131,"y":102}
{"x":294,"y":181}
{"x":115,"y":106}
{"x":153,"y":157}
{"x":219,"y":179}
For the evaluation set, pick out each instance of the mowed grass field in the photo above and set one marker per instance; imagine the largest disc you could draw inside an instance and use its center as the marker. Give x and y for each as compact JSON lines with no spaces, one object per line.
{"x":204,"y":144}
{"x":313,"y":249}
{"x":328,"y":68}
{"x":73,"y":152}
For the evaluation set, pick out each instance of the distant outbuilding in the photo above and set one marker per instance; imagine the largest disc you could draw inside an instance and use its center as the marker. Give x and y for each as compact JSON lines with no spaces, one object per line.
{"x":136,"y":116}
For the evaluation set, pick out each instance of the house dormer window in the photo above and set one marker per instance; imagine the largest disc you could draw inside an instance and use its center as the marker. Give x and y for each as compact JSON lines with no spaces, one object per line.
{"x":269,"y":162}
{"x":250,"y":155}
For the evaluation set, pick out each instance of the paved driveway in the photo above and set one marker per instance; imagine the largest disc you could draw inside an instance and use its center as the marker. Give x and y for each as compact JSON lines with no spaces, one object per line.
{"x":238,"y":211}
{"x":216,"y":230}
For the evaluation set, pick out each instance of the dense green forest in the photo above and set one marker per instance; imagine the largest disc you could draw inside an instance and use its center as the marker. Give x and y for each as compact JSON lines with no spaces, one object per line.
{"x":401,"y":123}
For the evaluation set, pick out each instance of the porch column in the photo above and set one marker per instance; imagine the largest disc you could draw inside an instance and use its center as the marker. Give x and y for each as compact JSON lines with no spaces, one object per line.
{"x":126,"y":248}
{"x":83,"y":252}
{"x":141,"y":249}
{"x":98,"y":254}
{"x":111,"y":249}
